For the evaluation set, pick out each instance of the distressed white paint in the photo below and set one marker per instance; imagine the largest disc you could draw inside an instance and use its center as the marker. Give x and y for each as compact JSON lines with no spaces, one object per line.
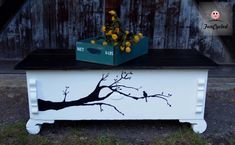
{"x":188,"y":89}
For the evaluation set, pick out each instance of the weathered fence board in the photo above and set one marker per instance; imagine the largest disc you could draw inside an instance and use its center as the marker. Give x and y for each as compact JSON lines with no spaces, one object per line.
{"x":193,"y":40}
{"x":184,"y":24}
{"x":160,"y":25}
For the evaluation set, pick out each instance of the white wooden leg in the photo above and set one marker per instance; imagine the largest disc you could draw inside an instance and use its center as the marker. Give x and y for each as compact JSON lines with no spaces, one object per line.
{"x":199,"y":126}
{"x":34,"y":126}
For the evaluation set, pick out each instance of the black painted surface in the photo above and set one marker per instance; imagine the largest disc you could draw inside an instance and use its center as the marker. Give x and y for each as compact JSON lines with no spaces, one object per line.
{"x":64,"y":59}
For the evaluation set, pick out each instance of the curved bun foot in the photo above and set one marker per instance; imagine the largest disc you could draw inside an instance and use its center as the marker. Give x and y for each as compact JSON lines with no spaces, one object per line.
{"x":32,"y":127}
{"x":200,"y":126}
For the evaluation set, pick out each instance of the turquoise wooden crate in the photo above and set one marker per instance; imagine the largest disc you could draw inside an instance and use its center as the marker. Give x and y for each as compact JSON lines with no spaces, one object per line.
{"x":109,"y":54}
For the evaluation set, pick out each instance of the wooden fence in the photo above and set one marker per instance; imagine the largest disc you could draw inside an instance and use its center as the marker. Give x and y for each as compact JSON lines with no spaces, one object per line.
{"x":60,"y":23}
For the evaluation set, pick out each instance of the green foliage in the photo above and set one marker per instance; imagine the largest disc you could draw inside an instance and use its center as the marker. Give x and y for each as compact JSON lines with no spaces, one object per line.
{"x":107,"y":141}
{"x":231,"y":140}
{"x":184,"y":136}
{"x":115,"y":35}
{"x":16,"y":135}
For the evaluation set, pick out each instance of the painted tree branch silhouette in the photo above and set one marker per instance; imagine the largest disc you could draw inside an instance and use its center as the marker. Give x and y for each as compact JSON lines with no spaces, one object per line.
{"x":116,"y":86}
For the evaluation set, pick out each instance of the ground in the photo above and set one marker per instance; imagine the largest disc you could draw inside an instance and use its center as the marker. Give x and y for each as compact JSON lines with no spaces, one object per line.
{"x":220,"y":112}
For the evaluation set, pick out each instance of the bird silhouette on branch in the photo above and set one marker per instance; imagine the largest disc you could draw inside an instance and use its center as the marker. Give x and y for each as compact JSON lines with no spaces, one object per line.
{"x":94,"y":98}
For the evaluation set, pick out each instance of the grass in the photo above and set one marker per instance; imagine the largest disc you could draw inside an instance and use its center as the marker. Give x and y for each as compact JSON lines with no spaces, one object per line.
{"x":184,"y":136}
{"x":231,"y":139}
{"x":16,"y":134}
{"x":107,"y":141}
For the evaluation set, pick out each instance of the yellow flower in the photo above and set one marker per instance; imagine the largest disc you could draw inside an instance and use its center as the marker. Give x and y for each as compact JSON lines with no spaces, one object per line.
{"x":113,"y":13}
{"x":128,"y":49}
{"x":93,"y":41}
{"x":109,"y":32}
{"x":114,"y":36}
{"x":122,"y":48}
{"x":113,"y":18}
{"x":105,"y":43}
{"x":140,"y":35}
{"x":117,"y":30}
{"x":128,"y":43}
{"x":136,"y":38}
{"x":103,"y":28}
{"x":127,"y":32}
